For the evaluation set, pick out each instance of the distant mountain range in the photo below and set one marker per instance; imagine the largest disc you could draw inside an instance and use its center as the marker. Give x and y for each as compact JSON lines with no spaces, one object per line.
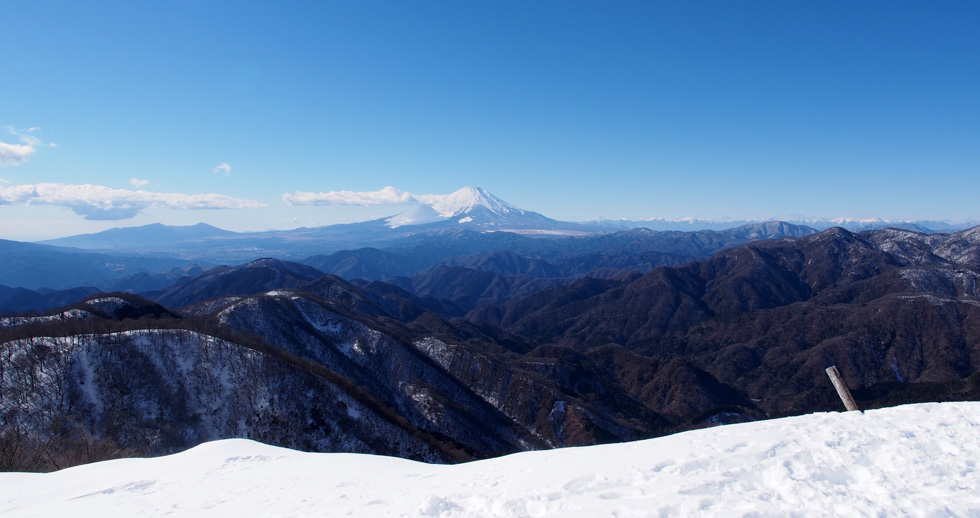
{"x":469,"y":248}
{"x":500,"y":350}
{"x":37,"y":266}
{"x":470,"y":208}
{"x":851,"y":224}
{"x":147,"y":236}
{"x":23,"y":299}
{"x":467,"y":328}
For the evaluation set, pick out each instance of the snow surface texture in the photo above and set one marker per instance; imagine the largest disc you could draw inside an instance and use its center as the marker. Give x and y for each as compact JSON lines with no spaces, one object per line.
{"x":916,"y":460}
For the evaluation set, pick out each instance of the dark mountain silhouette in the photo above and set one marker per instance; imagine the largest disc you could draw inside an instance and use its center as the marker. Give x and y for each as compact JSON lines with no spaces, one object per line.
{"x":505,"y":262}
{"x":471,"y":288}
{"x":378,"y":299}
{"x":463,"y":270}
{"x":21,"y":299}
{"x":141,"y":259}
{"x":247,"y":279}
{"x":309,"y":360}
{"x":367,"y":264}
{"x":699,"y":244}
{"x":150,"y":236}
{"x":768,"y":317}
{"x":33,"y":266}
{"x":148,"y":282}
{"x":637,"y":249}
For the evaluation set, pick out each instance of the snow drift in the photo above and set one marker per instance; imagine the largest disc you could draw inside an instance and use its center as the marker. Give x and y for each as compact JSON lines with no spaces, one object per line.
{"x":916,"y":460}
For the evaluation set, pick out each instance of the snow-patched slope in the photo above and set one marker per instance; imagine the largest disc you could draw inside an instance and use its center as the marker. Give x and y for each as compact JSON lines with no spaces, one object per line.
{"x":68,"y":315}
{"x":917,"y":460}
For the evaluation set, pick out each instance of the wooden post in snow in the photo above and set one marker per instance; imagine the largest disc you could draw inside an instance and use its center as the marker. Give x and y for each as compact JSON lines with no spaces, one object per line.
{"x":845,"y":395}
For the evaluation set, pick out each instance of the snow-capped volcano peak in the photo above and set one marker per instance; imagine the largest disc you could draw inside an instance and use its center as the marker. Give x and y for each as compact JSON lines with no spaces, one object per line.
{"x":476,"y":208}
{"x":466,"y":199}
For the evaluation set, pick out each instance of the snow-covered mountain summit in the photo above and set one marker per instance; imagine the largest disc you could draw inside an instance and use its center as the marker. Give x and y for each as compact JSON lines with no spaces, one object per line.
{"x":469,"y":199}
{"x":463,"y":204}
{"x":476,"y":207}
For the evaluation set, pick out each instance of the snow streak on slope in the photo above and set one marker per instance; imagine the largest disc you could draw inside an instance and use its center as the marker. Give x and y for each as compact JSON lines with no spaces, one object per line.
{"x":917,"y":460}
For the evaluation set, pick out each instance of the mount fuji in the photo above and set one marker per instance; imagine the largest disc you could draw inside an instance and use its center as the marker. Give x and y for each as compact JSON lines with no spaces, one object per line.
{"x":477,"y":208}
{"x":469,"y":210}
{"x":471,"y":214}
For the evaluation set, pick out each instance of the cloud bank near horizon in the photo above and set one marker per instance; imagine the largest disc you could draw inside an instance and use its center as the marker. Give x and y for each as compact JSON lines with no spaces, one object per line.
{"x":98,"y":202}
{"x":385,"y":196}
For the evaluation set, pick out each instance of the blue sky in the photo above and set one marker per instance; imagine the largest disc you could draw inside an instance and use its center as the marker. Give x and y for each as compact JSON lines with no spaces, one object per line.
{"x":127,"y":113}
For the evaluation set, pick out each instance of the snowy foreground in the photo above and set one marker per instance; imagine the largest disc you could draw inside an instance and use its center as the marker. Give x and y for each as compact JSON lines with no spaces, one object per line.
{"x":916,"y":460}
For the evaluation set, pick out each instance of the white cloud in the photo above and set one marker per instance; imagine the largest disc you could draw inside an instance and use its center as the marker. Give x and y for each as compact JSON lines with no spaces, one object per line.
{"x":385,"y":196}
{"x":136,"y":182}
{"x":224,"y":167}
{"x":16,"y":154}
{"x":97,"y":202}
{"x":30,"y":140}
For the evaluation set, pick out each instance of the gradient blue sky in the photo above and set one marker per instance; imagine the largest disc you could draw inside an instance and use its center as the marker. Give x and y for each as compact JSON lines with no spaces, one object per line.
{"x":122,"y":113}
